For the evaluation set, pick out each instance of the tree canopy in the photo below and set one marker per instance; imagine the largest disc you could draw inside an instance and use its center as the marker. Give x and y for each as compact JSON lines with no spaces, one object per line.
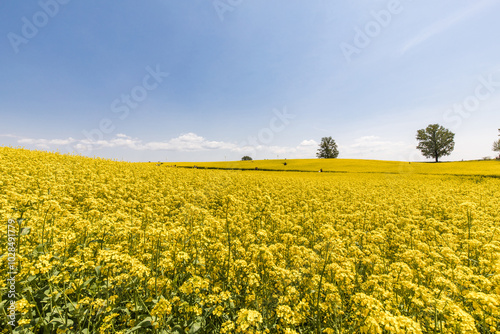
{"x":327,"y":149}
{"x":496,"y":146}
{"x":435,"y":141}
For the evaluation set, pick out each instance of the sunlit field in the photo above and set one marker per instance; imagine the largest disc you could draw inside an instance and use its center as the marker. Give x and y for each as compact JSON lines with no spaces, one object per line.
{"x":489,"y":167}
{"x":383,"y":247}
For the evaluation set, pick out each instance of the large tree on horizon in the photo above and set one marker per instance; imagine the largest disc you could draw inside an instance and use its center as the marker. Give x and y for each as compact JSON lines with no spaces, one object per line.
{"x":496,"y":146}
{"x":435,"y":141}
{"x":327,"y":149}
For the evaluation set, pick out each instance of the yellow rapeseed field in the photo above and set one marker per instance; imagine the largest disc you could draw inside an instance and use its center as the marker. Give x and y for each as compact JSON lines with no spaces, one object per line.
{"x":115,"y":247}
{"x":489,"y":167}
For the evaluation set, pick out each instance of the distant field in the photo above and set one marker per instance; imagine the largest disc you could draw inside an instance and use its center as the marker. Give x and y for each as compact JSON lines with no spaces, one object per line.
{"x":490,"y":167}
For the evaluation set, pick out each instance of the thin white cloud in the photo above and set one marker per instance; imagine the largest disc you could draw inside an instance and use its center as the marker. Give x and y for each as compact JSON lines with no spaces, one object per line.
{"x":185,"y":142}
{"x":188,"y":142}
{"x":374,"y":147}
{"x":46,"y":143}
{"x":367,"y":147}
{"x":310,"y":142}
{"x":446,"y":23}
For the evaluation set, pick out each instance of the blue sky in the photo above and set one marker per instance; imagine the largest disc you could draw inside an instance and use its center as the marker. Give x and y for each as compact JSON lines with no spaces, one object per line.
{"x":208,"y":80}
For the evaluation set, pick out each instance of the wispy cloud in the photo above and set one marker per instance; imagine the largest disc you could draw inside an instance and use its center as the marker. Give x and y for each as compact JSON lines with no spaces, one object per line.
{"x":188,"y":142}
{"x":366,"y":147}
{"x":374,"y":147}
{"x":47,"y":142}
{"x":446,"y":23}
{"x":184,"y":143}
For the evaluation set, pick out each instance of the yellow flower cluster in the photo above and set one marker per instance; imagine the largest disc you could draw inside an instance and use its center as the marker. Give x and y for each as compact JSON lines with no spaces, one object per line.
{"x":107,"y":246}
{"x":162,"y":308}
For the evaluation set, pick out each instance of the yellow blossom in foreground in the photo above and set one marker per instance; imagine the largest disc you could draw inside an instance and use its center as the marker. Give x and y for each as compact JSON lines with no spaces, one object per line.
{"x":162,"y":308}
{"x":248,"y":319}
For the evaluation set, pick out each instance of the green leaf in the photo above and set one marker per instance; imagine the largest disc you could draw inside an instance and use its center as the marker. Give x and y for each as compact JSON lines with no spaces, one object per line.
{"x":133,"y":329}
{"x":124,"y":310}
{"x":25,"y":231}
{"x":178,"y":329}
{"x":56,"y":320}
{"x":145,"y":323}
{"x":70,"y":307}
{"x":98,"y":270}
{"x":87,"y":282}
{"x":196,"y":325}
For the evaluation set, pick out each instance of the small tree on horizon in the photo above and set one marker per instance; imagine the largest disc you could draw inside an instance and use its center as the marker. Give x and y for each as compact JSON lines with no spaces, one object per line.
{"x":246,"y":158}
{"x":496,"y":146}
{"x":435,"y":141}
{"x":327,"y":149}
